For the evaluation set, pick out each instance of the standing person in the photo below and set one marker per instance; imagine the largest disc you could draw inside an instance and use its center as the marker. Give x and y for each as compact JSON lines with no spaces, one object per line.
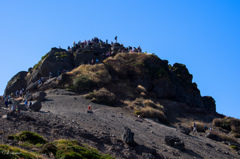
{"x":116,"y":38}
{"x":50,"y":75}
{"x":6,"y":103}
{"x":194,"y":128}
{"x":20,"y":93}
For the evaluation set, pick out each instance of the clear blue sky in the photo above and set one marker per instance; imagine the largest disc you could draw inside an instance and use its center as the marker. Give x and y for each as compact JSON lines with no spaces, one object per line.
{"x":204,"y":35}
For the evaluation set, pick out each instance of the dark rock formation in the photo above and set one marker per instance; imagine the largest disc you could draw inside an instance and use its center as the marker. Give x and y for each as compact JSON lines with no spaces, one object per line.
{"x":32,"y":86}
{"x":83,"y":57}
{"x":39,"y":96}
{"x":28,"y":96}
{"x":175,"y":142}
{"x":128,"y":136}
{"x":36,"y":106}
{"x":17,"y":82}
{"x":213,"y":136}
{"x":183,"y":130}
{"x":209,"y":103}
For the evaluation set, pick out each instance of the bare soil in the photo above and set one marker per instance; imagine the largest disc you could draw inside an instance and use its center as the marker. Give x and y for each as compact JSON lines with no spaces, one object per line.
{"x":64,"y":115}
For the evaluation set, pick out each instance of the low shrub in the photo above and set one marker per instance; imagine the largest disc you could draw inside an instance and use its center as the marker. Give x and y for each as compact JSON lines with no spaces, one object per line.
{"x":224,"y":137}
{"x":82,"y":82}
{"x":234,"y":147}
{"x":30,"y":137}
{"x":72,"y":149}
{"x":228,"y":123}
{"x":16,"y":153}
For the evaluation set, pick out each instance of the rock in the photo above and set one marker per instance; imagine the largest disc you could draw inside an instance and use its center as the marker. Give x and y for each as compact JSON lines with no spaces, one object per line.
{"x":213,"y":136}
{"x":83,"y":57}
{"x":17,"y":82}
{"x":147,"y":156}
{"x":128,"y":136}
{"x":39,"y":96}
{"x":32,"y":86}
{"x":36,"y":106}
{"x":238,"y":152}
{"x":22,"y":107}
{"x":28,"y":96}
{"x":5,"y":116}
{"x":175,"y":142}
{"x":209,"y":104}
{"x":209,"y":145}
{"x":184,"y":130}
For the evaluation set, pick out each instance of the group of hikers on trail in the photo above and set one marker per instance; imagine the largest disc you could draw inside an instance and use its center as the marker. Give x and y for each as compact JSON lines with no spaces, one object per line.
{"x":195,"y":128}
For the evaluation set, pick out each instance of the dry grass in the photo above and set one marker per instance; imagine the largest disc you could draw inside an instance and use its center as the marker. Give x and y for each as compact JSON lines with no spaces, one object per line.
{"x":149,"y":112}
{"x":140,"y":88}
{"x":228,"y":123}
{"x":85,"y":76}
{"x":224,"y":137}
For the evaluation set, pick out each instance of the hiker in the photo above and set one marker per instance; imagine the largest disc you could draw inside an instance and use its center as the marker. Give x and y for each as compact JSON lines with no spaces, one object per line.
{"x":116,"y":38}
{"x":205,"y":127}
{"x":17,"y":109}
{"x":13,"y":108}
{"x":59,"y":72}
{"x":194,"y":128}
{"x":20,"y":93}
{"x":50,"y":75}
{"x":30,"y":104}
{"x":6,"y":103}
{"x":89,"y":108}
{"x":16,"y":93}
{"x":26,"y":103}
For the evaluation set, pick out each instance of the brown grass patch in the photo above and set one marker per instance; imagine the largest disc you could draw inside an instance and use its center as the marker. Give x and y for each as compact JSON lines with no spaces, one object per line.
{"x":149,"y":112}
{"x":85,"y":76}
{"x":228,"y":123}
{"x":224,"y":137}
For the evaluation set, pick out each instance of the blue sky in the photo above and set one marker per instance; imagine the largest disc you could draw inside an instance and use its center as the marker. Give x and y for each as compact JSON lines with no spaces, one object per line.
{"x":204,"y":35}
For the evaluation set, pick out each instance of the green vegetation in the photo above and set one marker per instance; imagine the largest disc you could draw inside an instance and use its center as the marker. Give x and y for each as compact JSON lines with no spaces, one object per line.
{"x":72,"y":149}
{"x":234,"y":147}
{"x":10,"y":152}
{"x":36,"y":66}
{"x":82,"y":82}
{"x":30,"y":137}
{"x":60,"y":149}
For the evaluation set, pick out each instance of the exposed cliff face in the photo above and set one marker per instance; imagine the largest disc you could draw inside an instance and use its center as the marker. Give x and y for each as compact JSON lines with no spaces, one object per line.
{"x":17,"y":82}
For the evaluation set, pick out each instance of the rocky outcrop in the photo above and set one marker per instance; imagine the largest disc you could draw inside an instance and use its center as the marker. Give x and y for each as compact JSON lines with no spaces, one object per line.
{"x":54,"y":61}
{"x":209,"y":103}
{"x":39,"y":96}
{"x":17,"y":82}
{"x":128,"y":136}
{"x":175,"y":142}
{"x":36,"y":106}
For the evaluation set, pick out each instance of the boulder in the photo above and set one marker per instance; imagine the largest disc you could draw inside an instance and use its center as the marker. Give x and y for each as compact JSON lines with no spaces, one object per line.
{"x":36,"y":106}
{"x":183,"y":130}
{"x":32,"y":86}
{"x":28,"y":96}
{"x":175,"y":142}
{"x":128,"y":136}
{"x":147,"y":156}
{"x":17,"y":82}
{"x":209,"y":104}
{"x":213,"y":136}
{"x":39,"y":96}
{"x":5,"y":116}
{"x":22,"y":107}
